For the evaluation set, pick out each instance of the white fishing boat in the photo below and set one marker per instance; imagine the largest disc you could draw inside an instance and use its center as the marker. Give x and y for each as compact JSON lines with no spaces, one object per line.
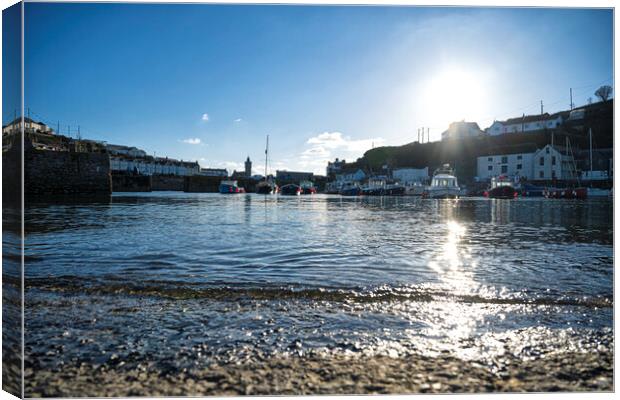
{"x":444,"y":185}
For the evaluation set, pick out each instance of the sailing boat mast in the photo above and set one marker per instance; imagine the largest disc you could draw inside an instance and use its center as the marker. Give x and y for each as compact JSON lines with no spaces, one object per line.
{"x":266,"y":156}
{"x":590,"y":153}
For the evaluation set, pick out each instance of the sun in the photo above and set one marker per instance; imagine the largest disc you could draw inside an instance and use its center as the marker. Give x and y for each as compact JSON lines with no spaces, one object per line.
{"x":453,"y":94}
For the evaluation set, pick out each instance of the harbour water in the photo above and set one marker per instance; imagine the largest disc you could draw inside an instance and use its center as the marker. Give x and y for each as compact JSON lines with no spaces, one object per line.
{"x":177,"y":282}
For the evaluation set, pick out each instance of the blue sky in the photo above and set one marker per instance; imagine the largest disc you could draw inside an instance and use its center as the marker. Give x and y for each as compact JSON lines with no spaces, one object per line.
{"x":209,"y":82}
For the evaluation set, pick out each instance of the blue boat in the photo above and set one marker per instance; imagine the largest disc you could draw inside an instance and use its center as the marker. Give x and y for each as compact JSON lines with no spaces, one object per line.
{"x":230,"y":187}
{"x":351,"y":191}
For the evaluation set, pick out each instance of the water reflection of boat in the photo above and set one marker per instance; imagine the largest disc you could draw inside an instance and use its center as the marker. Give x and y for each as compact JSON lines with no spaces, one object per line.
{"x":230,"y":187}
{"x":443,"y":185}
{"x":501,"y":188}
{"x":290,"y":190}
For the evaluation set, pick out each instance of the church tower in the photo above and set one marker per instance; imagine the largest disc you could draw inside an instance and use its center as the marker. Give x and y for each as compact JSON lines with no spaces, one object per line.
{"x":248,"y":167}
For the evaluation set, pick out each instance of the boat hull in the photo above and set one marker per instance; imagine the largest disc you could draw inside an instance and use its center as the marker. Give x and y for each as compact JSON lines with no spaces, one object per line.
{"x":229,"y":189}
{"x":415,"y":191}
{"x":532,"y":191}
{"x":395,"y":191}
{"x":290,"y":190}
{"x":351,"y":192}
{"x":263,"y":188}
{"x":502,"y":192}
{"x":308,"y":190}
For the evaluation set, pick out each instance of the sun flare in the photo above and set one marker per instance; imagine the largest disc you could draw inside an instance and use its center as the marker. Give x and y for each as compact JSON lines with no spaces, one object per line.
{"x":454,"y":94}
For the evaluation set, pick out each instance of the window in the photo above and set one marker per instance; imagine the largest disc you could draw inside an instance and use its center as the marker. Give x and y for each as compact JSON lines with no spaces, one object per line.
{"x":504,"y":169}
{"x":547,"y":149}
{"x":519,"y":157}
{"x":490,"y":168}
{"x":553,"y":174}
{"x":504,"y":159}
{"x":542,"y":160}
{"x":519,"y":166}
{"x":541,"y":174}
{"x":552,"y":160}
{"x":490,"y":159}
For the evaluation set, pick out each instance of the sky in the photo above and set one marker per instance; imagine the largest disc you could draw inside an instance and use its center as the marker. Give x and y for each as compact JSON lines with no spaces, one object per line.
{"x":210,"y":82}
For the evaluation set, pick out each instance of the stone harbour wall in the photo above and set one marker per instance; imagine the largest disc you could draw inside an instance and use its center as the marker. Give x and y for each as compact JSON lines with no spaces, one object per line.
{"x":11,"y":175}
{"x":65,"y":173}
{"x":202,"y":184}
{"x":168,"y":182}
{"x":131,"y":183}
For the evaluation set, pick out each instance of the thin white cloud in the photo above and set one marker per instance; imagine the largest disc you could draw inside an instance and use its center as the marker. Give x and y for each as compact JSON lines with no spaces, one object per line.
{"x":238,"y":120}
{"x":326,"y":146}
{"x":205,"y":117}
{"x":192,"y":141}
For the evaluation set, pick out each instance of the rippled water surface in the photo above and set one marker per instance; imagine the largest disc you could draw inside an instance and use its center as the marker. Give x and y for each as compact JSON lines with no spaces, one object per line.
{"x":181,"y":280}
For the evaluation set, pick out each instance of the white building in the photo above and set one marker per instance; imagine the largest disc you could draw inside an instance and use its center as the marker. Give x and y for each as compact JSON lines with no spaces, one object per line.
{"x":512,"y":165}
{"x":350,"y":177}
{"x":152,"y":166}
{"x":214,"y":172}
{"x":461,"y":129}
{"x":526,"y":123}
{"x":547,"y":163}
{"x":551,"y":162}
{"x":410,"y":176}
{"x":116,"y":149}
{"x":334,"y":167}
{"x":30,"y":125}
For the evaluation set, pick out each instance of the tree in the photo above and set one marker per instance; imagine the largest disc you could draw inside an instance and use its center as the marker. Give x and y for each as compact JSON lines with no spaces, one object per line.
{"x":603,"y":92}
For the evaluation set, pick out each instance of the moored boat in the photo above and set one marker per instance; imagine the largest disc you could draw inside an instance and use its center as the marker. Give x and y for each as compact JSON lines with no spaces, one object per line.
{"x":374,"y":187}
{"x":230,"y":187}
{"x":266,"y":187}
{"x":290,"y":190}
{"x":566,"y":193}
{"x":444,"y":184}
{"x":529,"y":190}
{"x":415,"y":189}
{"x":350,"y":190}
{"x":307,"y":187}
{"x":501,"y":188}
{"x":394,"y":190}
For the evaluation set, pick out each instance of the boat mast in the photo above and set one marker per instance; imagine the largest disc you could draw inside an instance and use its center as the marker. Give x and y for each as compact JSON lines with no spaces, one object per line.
{"x":590,"y":153}
{"x":266,"y":155}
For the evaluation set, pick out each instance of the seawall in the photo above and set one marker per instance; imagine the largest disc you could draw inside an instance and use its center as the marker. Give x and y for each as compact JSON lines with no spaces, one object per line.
{"x":168,"y":182}
{"x":48,"y":172}
{"x":131,"y":183}
{"x":202,"y":184}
